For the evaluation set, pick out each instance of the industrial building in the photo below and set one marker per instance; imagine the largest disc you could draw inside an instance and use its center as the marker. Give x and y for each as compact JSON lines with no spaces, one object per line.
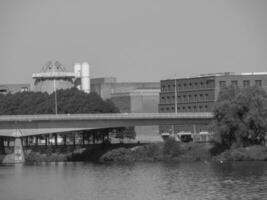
{"x":54,"y":76}
{"x":140,"y":101}
{"x":198,"y":94}
{"x":107,"y":86}
{"x":13,"y":88}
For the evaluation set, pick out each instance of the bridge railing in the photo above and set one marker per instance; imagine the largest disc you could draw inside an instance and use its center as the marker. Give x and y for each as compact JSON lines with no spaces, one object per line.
{"x":106,"y":116}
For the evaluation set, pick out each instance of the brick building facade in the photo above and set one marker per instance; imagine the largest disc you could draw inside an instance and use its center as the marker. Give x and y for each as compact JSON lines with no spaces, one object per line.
{"x":198,"y":94}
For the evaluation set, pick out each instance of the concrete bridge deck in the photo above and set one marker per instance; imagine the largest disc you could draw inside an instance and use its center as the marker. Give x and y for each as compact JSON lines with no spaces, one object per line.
{"x":41,"y":124}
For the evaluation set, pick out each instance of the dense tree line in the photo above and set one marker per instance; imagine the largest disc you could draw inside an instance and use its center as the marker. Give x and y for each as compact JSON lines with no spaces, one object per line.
{"x":68,"y":101}
{"x":241,"y":116}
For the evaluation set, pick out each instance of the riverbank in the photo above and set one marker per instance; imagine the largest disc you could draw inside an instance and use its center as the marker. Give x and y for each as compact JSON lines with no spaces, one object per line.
{"x":252,"y":153}
{"x":172,"y":151}
{"x":162,"y":151}
{"x":70,"y":153}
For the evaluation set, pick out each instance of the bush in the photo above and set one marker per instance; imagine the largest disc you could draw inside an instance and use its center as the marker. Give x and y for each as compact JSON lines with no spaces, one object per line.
{"x":171,"y":148}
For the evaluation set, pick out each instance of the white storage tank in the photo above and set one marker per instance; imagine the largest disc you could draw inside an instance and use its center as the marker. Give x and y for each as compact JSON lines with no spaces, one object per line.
{"x":85,"y":77}
{"x":77,"y":70}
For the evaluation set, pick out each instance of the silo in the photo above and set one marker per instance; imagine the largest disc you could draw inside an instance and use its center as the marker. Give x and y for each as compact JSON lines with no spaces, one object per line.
{"x":77,"y":70}
{"x":85,"y":77}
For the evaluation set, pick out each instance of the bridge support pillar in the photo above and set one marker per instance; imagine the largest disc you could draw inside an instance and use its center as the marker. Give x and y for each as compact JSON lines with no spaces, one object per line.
{"x":18,"y":151}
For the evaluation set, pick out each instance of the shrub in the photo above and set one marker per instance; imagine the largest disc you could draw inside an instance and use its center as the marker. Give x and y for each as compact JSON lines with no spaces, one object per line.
{"x":171,"y":148}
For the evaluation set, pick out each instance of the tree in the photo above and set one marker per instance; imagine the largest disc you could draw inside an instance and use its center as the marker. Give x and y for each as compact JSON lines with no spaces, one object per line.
{"x":69,"y":101}
{"x":240,"y":116}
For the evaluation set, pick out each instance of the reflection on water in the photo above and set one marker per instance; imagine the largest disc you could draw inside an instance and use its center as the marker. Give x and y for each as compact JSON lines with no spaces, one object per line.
{"x":157,"y":181}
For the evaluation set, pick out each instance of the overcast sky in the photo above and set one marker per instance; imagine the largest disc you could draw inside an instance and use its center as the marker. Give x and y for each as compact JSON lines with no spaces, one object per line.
{"x":135,"y":40}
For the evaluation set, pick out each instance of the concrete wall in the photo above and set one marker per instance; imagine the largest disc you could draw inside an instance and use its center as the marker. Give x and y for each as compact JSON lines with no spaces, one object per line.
{"x":139,"y":101}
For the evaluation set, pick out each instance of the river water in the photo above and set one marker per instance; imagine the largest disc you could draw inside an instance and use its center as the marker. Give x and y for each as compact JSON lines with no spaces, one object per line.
{"x":139,"y":181}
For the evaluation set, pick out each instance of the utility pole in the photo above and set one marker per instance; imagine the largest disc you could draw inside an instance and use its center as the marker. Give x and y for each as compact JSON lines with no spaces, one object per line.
{"x":175,"y":103}
{"x":55,"y":90}
{"x":175,"y":96}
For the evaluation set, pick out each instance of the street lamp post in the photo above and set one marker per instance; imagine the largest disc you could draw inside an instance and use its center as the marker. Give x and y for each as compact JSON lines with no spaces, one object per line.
{"x":55,"y":91}
{"x":175,"y":103}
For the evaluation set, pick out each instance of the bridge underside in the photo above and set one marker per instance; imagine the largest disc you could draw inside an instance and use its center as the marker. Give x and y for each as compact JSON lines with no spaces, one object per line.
{"x":19,"y":129}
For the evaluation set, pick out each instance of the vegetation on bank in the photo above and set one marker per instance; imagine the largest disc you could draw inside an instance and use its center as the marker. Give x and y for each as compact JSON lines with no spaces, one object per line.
{"x":251,"y":153}
{"x":69,"y":101}
{"x":170,"y":150}
{"x":240,"y":117}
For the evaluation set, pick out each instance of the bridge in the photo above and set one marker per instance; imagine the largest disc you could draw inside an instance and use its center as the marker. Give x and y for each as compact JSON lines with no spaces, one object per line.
{"x":20,"y":127}
{"x":29,"y":125}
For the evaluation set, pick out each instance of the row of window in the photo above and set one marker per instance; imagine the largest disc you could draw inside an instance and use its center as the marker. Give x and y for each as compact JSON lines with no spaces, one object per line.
{"x":246,"y":83}
{"x":186,"y":86}
{"x":205,"y":85}
{"x":195,"y":108}
{"x":186,"y":98}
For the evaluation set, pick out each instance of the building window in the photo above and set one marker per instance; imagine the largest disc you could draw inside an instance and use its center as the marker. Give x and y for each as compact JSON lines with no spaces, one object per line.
{"x":185,"y":99}
{"x":234,"y":83}
{"x":206,"y":107}
{"x":200,"y":97}
{"x":190,"y":85}
{"x":190,"y":98}
{"x":209,"y":83}
{"x":195,"y":108}
{"x":167,"y":108}
{"x":178,"y":98}
{"x":163,"y":88}
{"x":200,"y":108}
{"x":189,"y":108}
{"x":196,"y":86}
{"x":201,"y":85}
{"x":246,"y":83}
{"x":258,"y":83}
{"x":222,"y":84}
{"x":169,"y":87}
{"x":207,"y":97}
{"x":178,"y":108}
{"x":162,"y":109}
{"x":185,"y":86}
{"x":196,"y":98}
